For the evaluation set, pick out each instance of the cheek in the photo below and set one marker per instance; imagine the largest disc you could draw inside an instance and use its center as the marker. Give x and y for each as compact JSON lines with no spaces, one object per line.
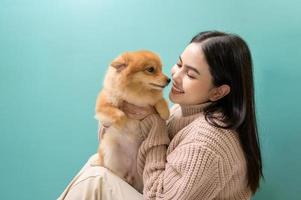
{"x":189,"y":85}
{"x":194,"y":88}
{"x":139,"y":77}
{"x":173,"y":70}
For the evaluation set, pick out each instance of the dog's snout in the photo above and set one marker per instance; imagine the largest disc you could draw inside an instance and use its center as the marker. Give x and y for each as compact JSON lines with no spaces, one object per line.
{"x":168,"y":81}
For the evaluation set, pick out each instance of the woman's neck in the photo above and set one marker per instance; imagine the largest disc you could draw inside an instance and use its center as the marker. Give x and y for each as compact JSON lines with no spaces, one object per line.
{"x":193,"y":109}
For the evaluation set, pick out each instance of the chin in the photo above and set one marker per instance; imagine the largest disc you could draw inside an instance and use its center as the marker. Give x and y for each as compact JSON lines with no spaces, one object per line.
{"x":183,"y":99}
{"x":175,"y":99}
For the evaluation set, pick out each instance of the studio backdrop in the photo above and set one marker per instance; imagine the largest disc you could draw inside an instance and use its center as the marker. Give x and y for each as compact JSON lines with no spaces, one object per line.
{"x":54,"y":54}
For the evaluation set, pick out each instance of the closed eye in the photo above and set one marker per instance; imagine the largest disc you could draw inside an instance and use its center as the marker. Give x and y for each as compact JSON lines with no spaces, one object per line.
{"x":191,"y":77}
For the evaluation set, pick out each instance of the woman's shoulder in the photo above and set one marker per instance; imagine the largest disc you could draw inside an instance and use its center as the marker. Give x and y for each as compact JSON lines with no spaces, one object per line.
{"x":220,"y":140}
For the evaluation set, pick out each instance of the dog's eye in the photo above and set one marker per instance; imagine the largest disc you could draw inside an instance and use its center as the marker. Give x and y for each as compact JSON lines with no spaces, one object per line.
{"x":150,"y":69}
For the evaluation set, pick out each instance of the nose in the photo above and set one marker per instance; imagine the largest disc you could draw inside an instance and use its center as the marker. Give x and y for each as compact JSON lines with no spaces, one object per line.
{"x":176,"y":75}
{"x":168,"y":80}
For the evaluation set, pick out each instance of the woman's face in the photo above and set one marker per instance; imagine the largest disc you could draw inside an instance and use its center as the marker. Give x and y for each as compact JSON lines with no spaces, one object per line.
{"x":191,"y":79}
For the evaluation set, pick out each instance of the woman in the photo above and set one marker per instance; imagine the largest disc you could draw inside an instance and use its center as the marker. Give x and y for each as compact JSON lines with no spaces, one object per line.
{"x":209,"y":148}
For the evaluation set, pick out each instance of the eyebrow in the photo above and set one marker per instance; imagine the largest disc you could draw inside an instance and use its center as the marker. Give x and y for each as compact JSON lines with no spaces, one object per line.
{"x":190,"y":67}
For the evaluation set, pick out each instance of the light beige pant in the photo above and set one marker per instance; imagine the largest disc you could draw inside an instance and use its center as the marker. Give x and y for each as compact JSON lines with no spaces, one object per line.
{"x":94,"y":182}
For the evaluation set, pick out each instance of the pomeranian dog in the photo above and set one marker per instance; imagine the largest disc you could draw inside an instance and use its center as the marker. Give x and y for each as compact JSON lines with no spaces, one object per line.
{"x":137,"y":78}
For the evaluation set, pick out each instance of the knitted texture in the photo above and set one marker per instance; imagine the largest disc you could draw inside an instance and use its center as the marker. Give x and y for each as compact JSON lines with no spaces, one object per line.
{"x":188,"y":158}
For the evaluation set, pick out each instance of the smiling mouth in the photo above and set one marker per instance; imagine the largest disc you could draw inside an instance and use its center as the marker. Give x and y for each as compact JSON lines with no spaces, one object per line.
{"x":174,"y":89}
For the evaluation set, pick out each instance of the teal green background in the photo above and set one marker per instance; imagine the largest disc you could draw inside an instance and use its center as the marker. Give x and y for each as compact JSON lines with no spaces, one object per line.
{"x":54,"y":54}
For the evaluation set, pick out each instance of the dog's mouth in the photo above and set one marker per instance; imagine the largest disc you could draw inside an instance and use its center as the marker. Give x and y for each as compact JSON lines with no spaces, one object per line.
{"x":157,"y":86}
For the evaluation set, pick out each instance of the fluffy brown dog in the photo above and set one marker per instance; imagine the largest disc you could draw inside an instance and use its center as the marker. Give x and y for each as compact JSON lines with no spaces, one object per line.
{"x":137,"y":78}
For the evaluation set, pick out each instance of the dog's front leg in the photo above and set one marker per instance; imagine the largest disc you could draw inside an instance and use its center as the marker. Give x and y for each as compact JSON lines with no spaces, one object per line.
{"x":106,"y":112}
{"x":162,"y":108}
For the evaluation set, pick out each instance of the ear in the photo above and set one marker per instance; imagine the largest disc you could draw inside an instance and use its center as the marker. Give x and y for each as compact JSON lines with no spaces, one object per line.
{"x":219,"y":92}
{"x":120,"y":63}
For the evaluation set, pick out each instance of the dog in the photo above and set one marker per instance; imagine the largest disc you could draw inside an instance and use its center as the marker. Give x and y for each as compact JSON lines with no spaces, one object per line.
{"x":137,"y":78}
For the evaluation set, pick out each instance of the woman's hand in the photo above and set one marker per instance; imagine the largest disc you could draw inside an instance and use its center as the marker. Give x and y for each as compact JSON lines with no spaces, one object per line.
{"x":132,"y":111}
{"x":137,"y":112}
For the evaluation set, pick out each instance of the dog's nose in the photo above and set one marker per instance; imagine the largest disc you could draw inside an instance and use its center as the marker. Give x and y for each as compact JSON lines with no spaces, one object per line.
{"x":168,"y":81}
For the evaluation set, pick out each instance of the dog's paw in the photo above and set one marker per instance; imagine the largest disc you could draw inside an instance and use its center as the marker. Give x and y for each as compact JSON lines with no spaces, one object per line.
{"x":162,"y":108}
{"x":103,"y":118}
{"x":120,"y":121}
{"x":164,"y":114}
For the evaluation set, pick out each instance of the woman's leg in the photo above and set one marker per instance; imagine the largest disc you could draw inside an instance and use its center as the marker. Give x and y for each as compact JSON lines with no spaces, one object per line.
{"x":96,"y":182}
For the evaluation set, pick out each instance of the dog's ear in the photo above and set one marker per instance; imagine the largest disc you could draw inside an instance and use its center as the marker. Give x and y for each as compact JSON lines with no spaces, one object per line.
{"x":120,"y":63}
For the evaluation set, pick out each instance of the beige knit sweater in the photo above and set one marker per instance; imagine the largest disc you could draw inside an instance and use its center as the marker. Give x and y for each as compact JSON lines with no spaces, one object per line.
{"x":191,"y":159}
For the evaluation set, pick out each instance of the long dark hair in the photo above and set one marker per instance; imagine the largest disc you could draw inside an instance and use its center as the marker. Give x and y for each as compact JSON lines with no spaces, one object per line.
{"x":230,"y":62}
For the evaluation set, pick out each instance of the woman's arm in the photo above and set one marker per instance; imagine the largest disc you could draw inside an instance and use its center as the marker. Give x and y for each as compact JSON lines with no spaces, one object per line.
{"x":188,"y":172}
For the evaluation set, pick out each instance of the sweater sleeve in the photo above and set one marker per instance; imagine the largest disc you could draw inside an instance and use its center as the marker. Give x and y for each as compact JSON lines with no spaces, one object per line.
{"x":188,"y":172}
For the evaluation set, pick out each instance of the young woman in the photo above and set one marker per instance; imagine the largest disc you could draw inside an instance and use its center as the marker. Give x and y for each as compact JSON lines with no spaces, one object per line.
{"x":209,"y":148}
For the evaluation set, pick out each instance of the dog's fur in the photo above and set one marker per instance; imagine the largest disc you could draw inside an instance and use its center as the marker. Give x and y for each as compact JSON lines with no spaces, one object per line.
{"x":137,"y":78}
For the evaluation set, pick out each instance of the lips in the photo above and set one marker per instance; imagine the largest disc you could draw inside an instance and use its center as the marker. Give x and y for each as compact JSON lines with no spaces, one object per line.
{"x":176,"y":90}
